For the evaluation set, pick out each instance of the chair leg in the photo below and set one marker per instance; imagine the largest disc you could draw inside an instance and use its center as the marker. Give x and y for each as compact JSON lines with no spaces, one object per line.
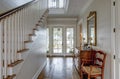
{"x":81,"y":75}
{"x":102,"y":76}
{"x":88,"y":76}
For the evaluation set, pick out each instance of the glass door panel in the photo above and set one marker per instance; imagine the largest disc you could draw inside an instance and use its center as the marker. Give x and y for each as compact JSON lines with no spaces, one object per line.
{"x":57,"y":40}
{"x":47,"y":40}
{"x":69,"y":40}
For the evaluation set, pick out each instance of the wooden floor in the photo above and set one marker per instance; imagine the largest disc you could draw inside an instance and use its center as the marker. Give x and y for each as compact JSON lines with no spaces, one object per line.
{"x":59,"y":68}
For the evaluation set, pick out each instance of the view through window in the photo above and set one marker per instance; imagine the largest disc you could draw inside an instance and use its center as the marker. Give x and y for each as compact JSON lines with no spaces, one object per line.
{"x":56,"y":3}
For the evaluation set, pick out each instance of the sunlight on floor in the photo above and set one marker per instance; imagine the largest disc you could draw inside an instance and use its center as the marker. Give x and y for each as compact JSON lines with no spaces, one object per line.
{"x":60,"y":68}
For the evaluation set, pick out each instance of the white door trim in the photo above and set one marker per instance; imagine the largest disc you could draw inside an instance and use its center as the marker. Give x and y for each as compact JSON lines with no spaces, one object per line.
{"x":51,"y":38}
{"x":117,"y":47}
{"x":112,"y":39}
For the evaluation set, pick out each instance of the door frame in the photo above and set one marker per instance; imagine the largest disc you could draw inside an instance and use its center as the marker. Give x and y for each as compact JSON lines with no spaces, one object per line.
{"x":51,"y":40}
{"x":117,"y":25}
{"x":113,"y":24}
{"x":81,"y":36}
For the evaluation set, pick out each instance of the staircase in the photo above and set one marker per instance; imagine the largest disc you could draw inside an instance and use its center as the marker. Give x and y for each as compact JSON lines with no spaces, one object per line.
{"x":19,"y":29}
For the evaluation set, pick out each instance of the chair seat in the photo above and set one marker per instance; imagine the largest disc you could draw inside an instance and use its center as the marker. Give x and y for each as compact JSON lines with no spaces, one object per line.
{"x":94,"y":71}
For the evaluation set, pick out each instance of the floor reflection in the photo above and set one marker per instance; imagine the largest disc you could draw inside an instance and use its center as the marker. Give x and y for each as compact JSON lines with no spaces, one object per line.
{"x":60,"y":68}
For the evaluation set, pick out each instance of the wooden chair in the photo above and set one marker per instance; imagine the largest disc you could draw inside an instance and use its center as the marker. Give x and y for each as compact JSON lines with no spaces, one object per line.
{"x":97,"y":69}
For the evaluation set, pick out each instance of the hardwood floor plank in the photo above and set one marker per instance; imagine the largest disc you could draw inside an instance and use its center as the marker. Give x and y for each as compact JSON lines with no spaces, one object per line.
{"x":60,"y":68}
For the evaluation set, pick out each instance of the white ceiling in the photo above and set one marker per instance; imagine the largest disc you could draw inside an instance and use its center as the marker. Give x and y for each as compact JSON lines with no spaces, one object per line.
{"x":75,"y":7}
{"x":6,"y":5}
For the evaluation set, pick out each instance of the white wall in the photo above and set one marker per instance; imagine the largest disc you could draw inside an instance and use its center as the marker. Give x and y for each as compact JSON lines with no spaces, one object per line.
{"x":103,"y":9}
{"x":62,"y":22}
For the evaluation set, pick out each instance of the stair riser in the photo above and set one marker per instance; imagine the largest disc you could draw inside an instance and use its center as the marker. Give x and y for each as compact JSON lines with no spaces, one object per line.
{"x":24,"y":55}
{"x":32,"y":38}
{"x":28,"y":45}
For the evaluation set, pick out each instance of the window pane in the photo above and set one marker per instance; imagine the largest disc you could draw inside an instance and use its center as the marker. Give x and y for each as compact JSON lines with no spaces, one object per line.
{"x":69,"y":40}
{"x":55,"y":3}
{"x":52,"y":3}
{"x":61,"y":3}
{"x":57,"y":40}
{"x":47,"y":40}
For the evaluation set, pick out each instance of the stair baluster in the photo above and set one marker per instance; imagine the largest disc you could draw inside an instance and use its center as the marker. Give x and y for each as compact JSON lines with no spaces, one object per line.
{"x":14,"y":30}
{"x":1,"y":49}
{"x":5,"y":53}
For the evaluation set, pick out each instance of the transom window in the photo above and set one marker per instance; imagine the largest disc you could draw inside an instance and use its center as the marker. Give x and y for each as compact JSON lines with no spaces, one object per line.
{"x":56,"y":3}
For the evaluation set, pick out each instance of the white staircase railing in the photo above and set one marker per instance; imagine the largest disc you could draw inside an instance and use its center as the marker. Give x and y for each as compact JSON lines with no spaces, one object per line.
{"x":15,"y":27}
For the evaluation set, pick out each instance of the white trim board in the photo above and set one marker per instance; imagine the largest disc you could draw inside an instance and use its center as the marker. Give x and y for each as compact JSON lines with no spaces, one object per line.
{"x":39,"y":71}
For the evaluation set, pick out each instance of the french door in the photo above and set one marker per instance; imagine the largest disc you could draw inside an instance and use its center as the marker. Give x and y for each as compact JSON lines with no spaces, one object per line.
{"x":62,"y":40}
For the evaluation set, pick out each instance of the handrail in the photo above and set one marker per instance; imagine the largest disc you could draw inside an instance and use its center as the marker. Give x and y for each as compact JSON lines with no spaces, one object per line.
{"x":3,"y":15}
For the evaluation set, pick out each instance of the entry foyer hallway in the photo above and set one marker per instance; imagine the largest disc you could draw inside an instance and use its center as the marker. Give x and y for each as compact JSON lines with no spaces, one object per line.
{"x":59,"y":68}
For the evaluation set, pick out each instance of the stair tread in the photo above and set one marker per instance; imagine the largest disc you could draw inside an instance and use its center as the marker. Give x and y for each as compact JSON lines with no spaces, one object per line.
{"x":32,"y":35}
{"x":15,"y":63}
{"x":35,"y":29}
{"x":21,"y":51}
{"x":27,"y":41}
{"x":38,"y":24}
{"x":10,"y":76}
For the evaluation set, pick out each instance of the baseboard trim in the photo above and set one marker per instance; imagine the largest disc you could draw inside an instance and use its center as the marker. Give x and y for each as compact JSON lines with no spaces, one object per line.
{"x":58,"y":55}
{"x":39,"y":71}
